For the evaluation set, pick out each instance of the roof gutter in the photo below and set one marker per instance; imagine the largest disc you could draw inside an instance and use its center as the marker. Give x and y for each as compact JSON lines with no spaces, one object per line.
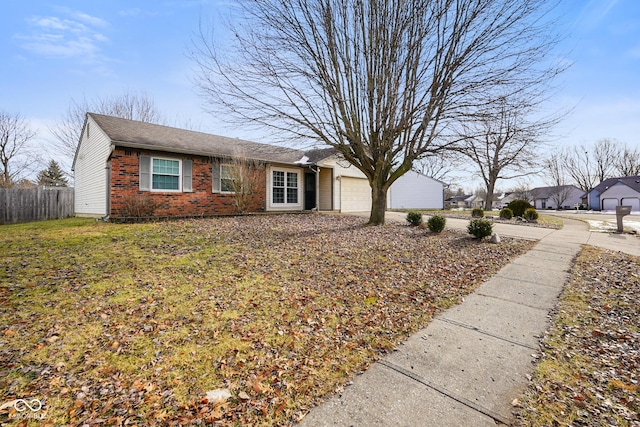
{"x":151,"y":147}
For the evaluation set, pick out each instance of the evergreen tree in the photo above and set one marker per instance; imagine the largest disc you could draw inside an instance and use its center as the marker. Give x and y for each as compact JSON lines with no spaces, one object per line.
{"x":52,"y":176}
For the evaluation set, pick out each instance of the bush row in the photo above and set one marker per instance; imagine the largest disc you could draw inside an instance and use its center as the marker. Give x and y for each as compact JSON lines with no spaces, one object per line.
{"x":478,"y":227}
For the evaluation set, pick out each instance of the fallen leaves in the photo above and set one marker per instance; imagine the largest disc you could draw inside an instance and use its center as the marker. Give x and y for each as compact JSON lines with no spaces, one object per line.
{"x":139,"y":323}
{"x":589,"y":373}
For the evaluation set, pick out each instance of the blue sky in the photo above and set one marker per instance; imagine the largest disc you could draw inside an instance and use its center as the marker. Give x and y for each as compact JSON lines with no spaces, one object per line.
{"x":56,"y":50}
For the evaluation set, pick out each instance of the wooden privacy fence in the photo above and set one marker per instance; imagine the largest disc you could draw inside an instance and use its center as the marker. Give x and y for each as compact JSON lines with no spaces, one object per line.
{"x":35,"y":204}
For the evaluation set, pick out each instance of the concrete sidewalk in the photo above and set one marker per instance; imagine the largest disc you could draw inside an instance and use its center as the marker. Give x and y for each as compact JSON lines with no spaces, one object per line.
{"x":466,"y":367}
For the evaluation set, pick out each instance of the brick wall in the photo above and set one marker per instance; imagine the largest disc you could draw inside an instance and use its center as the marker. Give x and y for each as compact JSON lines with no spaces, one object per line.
{"x":128,"y":200}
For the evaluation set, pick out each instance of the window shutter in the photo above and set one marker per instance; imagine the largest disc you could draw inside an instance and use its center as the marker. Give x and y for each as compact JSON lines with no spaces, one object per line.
{"x":215,"y":173}
{"x":145,"y":173}
{"x":186,"y":175}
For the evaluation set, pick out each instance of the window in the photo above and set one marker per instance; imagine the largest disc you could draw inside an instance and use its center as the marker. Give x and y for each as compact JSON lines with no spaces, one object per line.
{"x":292,"y":187}
{"x":227,"y":173}
{"x":222,"y":178}
{"x":163,"y":174}
{"x":278,"y":187}
{"x":284,"y":187}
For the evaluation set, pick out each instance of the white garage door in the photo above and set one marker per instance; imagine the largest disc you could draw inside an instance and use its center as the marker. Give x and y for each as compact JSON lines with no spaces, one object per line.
{"x":634,"y":202}
{"x":609,"y":204}
{"x":355,"y":195}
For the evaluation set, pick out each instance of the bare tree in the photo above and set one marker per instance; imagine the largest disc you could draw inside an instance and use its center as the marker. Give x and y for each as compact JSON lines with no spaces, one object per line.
{"x":554,"y":171}
{"x":130,"y":105}
{"x":16,"y":156}
{"x":522,"y":192}
{"x":382,"y":81}
{"x":244,"y":179}
{"x":561,"y":195}
{"x":588,"y":165}
{"x":628,"y":162}
{"x":576,"y":161}
{"x":557,"y":179}
{"x":605,"y":153}
{"x":503,"y":142}
{"x":437,"y":167}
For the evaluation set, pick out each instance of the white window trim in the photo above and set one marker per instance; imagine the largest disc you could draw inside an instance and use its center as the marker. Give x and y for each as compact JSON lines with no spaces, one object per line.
{"x":154,"y":190}
{"x":284,"y":206}
{"x":216,"y":178}
{"x":229,"y":165}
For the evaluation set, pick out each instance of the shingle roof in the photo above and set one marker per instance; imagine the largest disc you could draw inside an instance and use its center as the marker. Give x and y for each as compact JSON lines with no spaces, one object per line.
{"x":318,"y":154}
{"x":630,"y":181}
{"x":548,"y":192}
{"x":458,"y":198}
{"x":134,"y":134}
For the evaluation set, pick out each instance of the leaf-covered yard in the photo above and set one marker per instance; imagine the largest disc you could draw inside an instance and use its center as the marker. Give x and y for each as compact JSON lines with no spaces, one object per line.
{"x":124,"y":324}
{"x":589,"y":374}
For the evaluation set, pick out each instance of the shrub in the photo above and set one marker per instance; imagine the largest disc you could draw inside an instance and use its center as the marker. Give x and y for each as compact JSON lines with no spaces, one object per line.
{"x":506,"y":213}
{"x":138,"y":206}
{"x":414,"y":218}
{"x":436,"y":223}
{"x":480,"y":228}
{"x":530,"y":214}
{"x":519,"y":206}
{"x":477,"y":213}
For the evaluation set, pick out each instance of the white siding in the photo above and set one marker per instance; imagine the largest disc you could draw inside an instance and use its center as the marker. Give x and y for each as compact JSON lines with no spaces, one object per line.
{"x":609,"y":204}
{"x":415,"y":191}
{"x":614,"y":195}
{"x":571,"y":198}
{"x":634,"y":202}
{"x":90,"y":171}
{"x":340,"y":169}
{"x":326,"y":189}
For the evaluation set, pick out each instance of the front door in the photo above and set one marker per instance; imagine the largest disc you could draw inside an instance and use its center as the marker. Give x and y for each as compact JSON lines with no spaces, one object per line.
{"x":309,"y":191}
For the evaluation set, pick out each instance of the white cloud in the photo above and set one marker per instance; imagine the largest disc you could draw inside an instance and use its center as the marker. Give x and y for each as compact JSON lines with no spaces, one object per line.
{"x":74,"y":35}
{"x":90,"y":20}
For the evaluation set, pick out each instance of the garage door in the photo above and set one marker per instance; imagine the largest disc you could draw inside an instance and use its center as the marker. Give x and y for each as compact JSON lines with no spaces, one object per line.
{"x":355,"y":195}
{"x":634,"y":202}
{"x":609,"y":204}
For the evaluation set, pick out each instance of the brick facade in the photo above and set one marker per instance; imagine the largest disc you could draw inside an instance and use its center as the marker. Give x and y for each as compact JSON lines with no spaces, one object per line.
{"x":126,"y":199}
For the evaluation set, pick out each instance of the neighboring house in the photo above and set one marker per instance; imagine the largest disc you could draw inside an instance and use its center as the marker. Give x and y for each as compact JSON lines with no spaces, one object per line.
{"x":465,"y":201}
{"x":474,"y":202}
{"x":414,"y":190}
{"x":456,"y":202}
{"x":121,"y":163}
{"x":612,"y":192}
{"x":562,"y":196}
{"x":507,"y":198}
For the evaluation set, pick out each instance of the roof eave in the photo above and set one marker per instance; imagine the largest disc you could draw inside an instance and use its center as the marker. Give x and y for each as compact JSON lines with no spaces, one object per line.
{"x":151,"y":147}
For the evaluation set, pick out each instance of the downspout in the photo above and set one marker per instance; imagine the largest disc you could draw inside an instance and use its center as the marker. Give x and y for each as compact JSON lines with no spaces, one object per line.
{"x":109,"y":178}
{"x":317,"y":172}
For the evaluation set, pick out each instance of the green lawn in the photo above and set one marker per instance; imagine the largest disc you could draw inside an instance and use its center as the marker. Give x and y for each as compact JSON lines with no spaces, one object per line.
{"x":115,"y":323}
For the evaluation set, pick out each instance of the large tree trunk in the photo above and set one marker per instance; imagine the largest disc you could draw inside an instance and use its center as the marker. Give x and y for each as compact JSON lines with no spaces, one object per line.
{"x":378,"y":204}
{"x":488,"y":199}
